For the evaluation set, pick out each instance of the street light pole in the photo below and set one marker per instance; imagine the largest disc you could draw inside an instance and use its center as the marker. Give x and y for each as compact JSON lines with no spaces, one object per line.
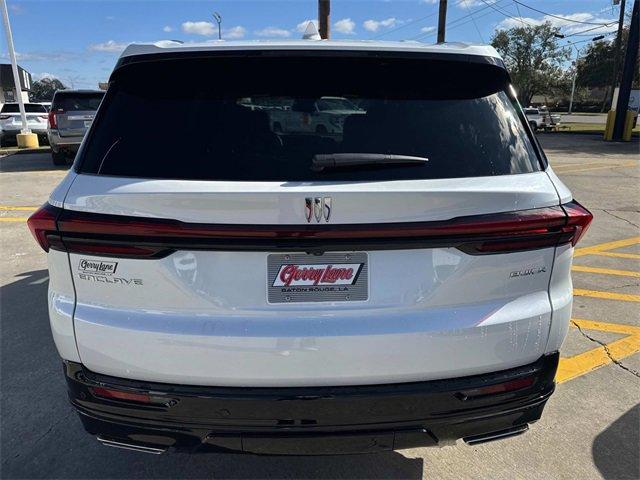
{"x":218,"y":18}
{"x":14,"y":67}
{"x":575,"y":74}
{"x":573,"y":83}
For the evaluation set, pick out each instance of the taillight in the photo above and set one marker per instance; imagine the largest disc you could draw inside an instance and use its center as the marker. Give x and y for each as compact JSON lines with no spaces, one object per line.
{"x":139,"y":237}
{"x":578,"y":221}
{"x":42,"y":223}
{"x":53,"y":121}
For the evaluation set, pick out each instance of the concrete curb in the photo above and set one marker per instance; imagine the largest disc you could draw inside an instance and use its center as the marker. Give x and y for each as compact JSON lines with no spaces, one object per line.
{"x":21,"y":151}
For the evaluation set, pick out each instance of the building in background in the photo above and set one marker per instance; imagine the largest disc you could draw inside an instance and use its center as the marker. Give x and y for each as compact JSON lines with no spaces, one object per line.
{"x":8,"y":91}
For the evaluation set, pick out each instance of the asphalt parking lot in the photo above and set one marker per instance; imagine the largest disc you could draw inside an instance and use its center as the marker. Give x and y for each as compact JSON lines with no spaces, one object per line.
{"x":590,"y":429}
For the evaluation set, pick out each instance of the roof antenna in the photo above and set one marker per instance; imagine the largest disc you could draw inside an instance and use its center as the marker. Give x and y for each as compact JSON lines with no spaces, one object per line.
{"x":311,"y":32}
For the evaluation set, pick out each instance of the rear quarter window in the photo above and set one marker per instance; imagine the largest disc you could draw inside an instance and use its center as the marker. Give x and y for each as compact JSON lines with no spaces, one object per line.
{"x":269,"y":130}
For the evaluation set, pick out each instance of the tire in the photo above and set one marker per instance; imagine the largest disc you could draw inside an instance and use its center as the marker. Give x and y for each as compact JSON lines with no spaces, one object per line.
{"x":533,"y":125}
{"x":59,"y":159}
{"x":277,"y":128}
{"x":321,"y":129}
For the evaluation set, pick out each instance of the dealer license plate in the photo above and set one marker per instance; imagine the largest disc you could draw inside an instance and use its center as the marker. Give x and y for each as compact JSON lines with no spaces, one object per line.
{"x":331,"y":277}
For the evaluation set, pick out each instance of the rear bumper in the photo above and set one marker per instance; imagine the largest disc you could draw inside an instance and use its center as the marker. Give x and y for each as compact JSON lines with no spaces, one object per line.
{"x":63,"y":143}
{"x":312,"y":420}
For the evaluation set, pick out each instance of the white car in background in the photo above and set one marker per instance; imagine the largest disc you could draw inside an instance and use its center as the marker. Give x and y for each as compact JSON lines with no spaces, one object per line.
{"x":541,"y":118}
{"x":324,"y":115}
{"x":11,"y":122}
{"x":406,"y":283}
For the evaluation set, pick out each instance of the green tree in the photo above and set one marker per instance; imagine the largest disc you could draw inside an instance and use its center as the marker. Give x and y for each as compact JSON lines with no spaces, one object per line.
{"x":534,"y":59}
{"x":595,"y":68}
{"x":42,"y":90}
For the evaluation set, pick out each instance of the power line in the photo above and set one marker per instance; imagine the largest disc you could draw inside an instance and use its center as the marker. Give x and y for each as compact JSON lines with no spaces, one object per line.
{"x":455,"y":23}
{"x":474,"y":22}
{"x":613,"y":22}
{"x":519,"y":19}
{"x":412,"y":22}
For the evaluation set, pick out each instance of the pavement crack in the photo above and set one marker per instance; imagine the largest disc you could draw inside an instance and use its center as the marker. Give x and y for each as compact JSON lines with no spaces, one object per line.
{"x":620,"y":218}
{"x":607,"y":351}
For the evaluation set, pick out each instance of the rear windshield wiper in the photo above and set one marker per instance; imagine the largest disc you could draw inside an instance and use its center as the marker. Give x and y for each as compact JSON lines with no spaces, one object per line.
{"x":321,"y":162}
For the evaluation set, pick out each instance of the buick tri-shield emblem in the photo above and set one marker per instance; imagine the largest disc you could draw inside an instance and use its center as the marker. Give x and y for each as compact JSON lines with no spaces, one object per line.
{"x":318,"y":208}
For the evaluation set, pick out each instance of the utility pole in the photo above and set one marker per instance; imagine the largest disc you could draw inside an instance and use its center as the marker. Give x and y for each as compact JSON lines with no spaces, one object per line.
{"x":324,"y":13}
{"x":218,"y":18}
{"x":25,"y":138}
{"x":617,"y":48}
{"x":630,"y":59}
{"x":442,"y":20}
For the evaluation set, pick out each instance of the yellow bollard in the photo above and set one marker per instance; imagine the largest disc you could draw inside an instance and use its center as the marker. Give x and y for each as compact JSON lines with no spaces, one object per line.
{"x":611,"y":119}
{"x":628,"y":125}
{"x":27,"y":140}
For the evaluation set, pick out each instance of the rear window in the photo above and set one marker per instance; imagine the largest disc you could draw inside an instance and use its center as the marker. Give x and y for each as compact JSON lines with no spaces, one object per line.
{"x":29,"y":108}
{"x":75,"y":101}
{"x":264,"y":119}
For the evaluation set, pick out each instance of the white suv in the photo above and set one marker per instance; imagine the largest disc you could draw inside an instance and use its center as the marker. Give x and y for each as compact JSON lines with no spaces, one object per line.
{"x":230,"y":287}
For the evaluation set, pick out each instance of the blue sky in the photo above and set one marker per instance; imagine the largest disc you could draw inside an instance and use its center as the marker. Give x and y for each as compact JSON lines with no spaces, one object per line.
{"x":79,"y":41}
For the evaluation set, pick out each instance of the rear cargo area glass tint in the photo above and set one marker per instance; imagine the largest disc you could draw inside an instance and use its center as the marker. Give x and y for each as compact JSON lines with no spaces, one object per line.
{"x":77,"y":101}
{"x":264,"y":119}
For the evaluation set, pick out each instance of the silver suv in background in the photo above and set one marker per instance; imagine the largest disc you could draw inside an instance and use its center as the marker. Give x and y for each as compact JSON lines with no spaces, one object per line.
{"x":11,"y":123}
{"x":71,"y":114}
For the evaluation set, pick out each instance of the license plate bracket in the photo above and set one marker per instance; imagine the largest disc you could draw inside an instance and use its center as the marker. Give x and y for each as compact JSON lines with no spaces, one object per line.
{"x":330,"y":277}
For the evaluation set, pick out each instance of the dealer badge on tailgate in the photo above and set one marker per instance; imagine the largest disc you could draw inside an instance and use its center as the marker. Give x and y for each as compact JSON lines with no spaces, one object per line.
{"x":331,"y":277}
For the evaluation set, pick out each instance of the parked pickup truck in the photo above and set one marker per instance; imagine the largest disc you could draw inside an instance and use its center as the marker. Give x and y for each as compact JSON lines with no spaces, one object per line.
{"x":541,"y":118}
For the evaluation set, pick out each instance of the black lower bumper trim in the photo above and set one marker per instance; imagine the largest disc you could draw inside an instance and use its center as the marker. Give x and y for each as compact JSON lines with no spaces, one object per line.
{"x":312,"y":420}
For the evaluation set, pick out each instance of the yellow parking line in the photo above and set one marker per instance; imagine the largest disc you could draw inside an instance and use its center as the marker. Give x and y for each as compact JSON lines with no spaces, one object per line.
{"x":598,"y":168}
{"x":601,"y":247}
{"x":624,"y":297}
{"x":580,"y":364}
{"x":13,"y":219}
{"x":618,"y":255}
{"x":605,"y":271}
{"x":607,"y":327}
{"x":12,"y":208}
{"x":579,"y":164}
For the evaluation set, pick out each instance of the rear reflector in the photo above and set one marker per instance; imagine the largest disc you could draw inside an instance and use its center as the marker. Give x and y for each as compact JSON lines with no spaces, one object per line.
{"x":139,"y":237}
{"x":121,"y":395}
{"x":510,"y":386}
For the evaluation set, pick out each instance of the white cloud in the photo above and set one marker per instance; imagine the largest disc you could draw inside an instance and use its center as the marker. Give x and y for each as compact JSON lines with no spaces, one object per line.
{"x":198,"y":28}
{"x":302,"y":26}
{"x":565,"y":22}
{"x":427,"y":29}
{"x":345,"y":26}
{"x":234,"y":32}
{"x":207,"y":29}
{"x":430,"y":2}
{"x":108,"y":46}
{"x":110,"y":17}
{"x":272,"y":32}
{"x":40,"y":76}
{"x":375,"y":25}
{"x":167,"y":29}
{"x":55,"y":56}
